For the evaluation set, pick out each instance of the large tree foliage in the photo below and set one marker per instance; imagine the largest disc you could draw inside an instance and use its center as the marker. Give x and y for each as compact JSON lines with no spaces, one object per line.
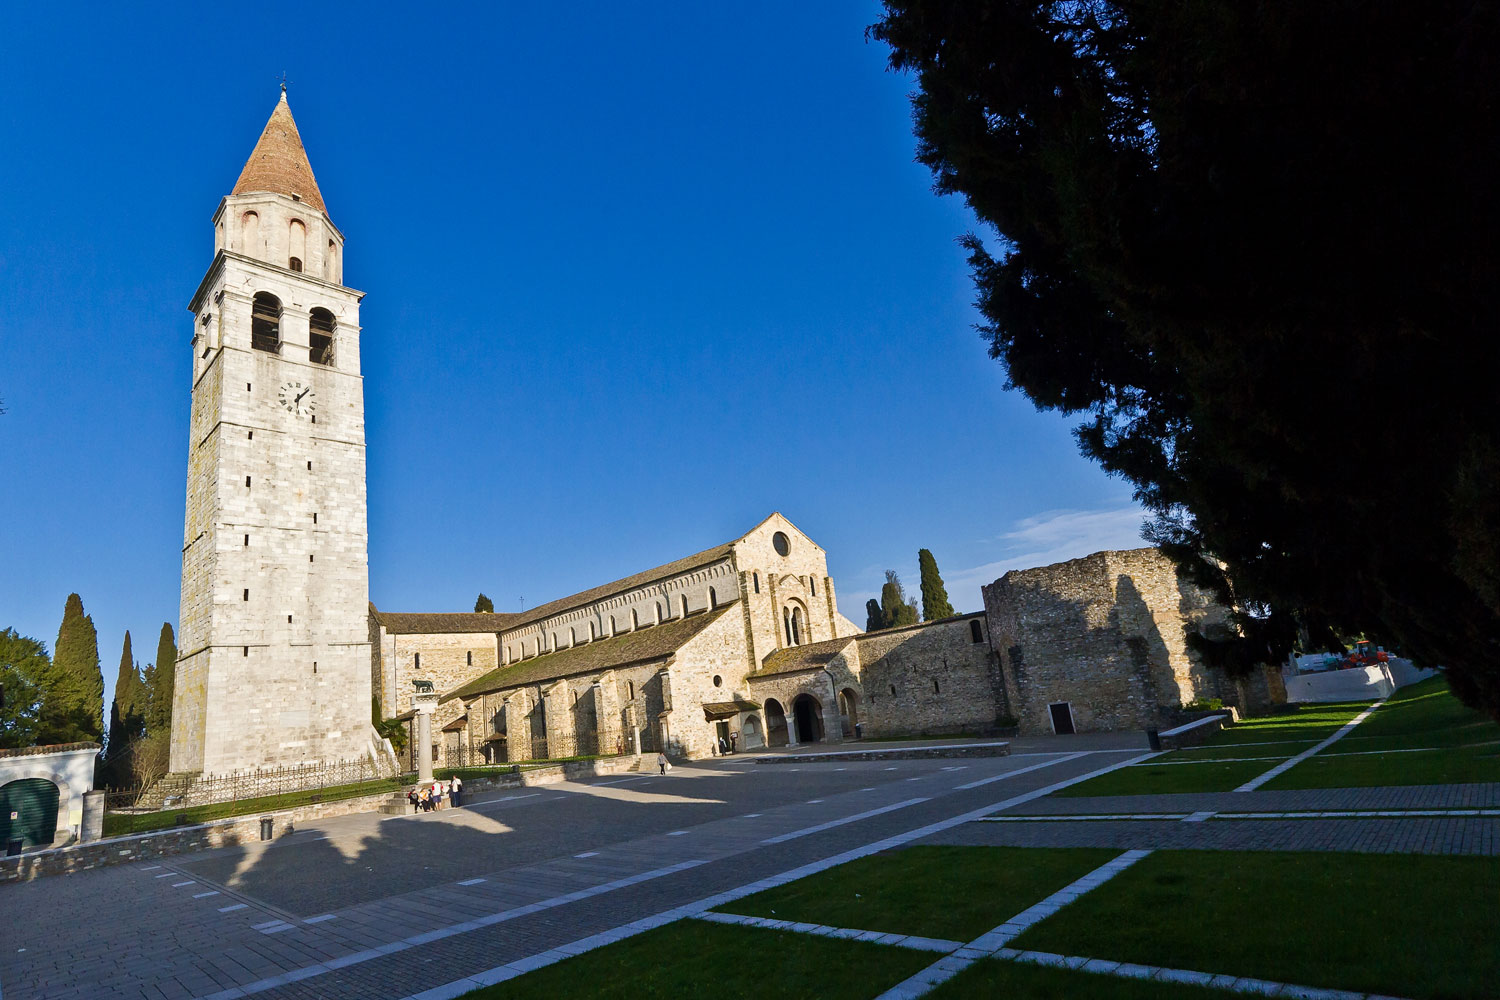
{"x":160,"y":680}
{"x":23,"y":668}
{"x":483,"y":603}
{"x":127,"y":713}
{"x":935,"y":603}
{"x":895,"y":608}
{"x":874,"y":617}
{"x":72,"y":708}
{"x":1253,"y":243}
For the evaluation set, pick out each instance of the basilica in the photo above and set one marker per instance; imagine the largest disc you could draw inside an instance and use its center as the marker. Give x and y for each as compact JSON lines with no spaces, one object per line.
{"x":737,"y":647}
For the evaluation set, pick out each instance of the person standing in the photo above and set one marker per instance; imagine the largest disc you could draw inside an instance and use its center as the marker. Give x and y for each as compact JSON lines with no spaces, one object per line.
{"x":455,"y":789}
{"x":662,"y":762}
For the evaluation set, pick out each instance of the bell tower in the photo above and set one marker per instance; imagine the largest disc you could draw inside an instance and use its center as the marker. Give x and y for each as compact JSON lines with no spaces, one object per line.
{"x":274,"y":667}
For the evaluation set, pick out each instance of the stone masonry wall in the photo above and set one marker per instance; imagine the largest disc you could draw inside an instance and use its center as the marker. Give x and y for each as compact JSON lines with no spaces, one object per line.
{"x":931,"y":678}
{"x":1103,"y":633}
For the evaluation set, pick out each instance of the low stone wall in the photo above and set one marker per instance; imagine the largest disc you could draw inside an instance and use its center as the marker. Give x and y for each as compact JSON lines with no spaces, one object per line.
{"x":228,"y":832}
{"x":894,"y":753}
{"x":246,"y":829}
{"x":1194,"y":733}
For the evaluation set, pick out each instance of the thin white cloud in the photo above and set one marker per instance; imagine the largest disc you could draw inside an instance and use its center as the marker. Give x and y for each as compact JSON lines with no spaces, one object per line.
{"x":1057,"y":536}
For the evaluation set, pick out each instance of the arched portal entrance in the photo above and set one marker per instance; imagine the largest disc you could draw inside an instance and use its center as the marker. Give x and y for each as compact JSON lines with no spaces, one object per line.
{"x":809,"y":715}
{"x":34,"y":803}
{"x":751,"y":735}
{"x":848,"y":710}
{"x":776,"y":735}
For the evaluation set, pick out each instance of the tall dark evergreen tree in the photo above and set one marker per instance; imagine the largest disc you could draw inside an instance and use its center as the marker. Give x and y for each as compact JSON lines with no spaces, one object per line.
{"x":874,"y":617}
{"x":127,"y":713}
{"x":160,"y":678}
{"x":72,"y":707}
{"x":934,"y":595}
{"x":483,"y":603}
{"x":24,"y":665}
{"x":895,"y":608}
{"x":1202,"y":253}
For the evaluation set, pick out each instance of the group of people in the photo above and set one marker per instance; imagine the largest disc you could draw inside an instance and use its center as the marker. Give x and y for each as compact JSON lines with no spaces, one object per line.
{"x":426,"y":798}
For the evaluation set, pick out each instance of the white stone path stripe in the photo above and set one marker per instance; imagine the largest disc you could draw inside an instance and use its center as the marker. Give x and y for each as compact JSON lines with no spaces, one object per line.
{"x":1210,"y":814}
{"x":1049,"y":763}
{"x":1340,"y":753}
{"x":520,"y":966}
{"x":1287,"y":765}
{"x":1232,"y":984}
{"x":823,"y":930}
{"x":487,"y":920}
{"x":805,"y":831}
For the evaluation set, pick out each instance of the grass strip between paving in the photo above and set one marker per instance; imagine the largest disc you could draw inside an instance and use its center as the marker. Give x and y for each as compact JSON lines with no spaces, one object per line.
{"x":691,"y":958}
{"x":1415,"y":925}
{"x":956,"y":893}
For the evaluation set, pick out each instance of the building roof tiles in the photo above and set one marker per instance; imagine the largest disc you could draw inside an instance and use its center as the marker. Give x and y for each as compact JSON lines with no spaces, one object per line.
{"x":279,"y":163}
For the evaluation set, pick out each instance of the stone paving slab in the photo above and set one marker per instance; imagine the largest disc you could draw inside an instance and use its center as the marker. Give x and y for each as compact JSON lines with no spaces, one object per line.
{"x":1465,"y":835}
{"x":1472,"y":796}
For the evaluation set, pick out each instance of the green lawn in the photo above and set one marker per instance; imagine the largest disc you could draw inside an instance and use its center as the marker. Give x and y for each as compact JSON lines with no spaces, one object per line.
{"x":117,"y":824}
{"x":1021,"y":981}
{"x":691,"y":959}
{"x":1272,"y":738}
{"x":1409,"y":726}
{"x":956,"y":893}
{"x":1415,"y":925}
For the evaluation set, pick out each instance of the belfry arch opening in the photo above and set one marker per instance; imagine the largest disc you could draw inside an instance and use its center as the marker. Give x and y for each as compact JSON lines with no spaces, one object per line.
{"x":320,"y":327}
{"x":265,"y":323}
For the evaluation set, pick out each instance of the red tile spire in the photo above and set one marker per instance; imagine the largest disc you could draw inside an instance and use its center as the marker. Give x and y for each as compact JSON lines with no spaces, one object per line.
{"x":279,"y":163}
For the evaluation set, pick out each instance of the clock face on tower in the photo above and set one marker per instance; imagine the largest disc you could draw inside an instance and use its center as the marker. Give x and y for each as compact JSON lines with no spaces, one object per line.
{"x":298,"y":399}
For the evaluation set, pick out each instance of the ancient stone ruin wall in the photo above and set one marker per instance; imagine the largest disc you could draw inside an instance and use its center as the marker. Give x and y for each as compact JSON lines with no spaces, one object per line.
{"x":930,"y":678}
{"x":1105,"y":634}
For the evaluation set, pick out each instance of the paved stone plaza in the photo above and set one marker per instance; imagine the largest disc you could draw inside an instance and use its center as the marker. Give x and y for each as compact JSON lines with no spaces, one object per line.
{"x":387,"y":907}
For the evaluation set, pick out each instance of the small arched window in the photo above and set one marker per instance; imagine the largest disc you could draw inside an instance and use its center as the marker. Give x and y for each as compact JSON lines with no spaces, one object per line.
{"x":658,"y":612}
{"x":265,"y":323}
{"x":935,"y":688}
{"x":684,"y":605}
{"x":611,"y":624}
{"x":572,"y":636}
{"x":297,"y":245}
{"x":975,"y":632}
{"x":250,"y":233}
{"x":713,"y":598}
{"x":416,"y":661}
{"x":330,"y":262}
{"x":470,"y":658}
{"x":755,"y":581}
{"x":320,"y":337}
{"x":796,"y":626}
{"x":635,"y":619}
{"x":630,"y":690}
{"x":593,"y":632}
{"x":812,"y":584}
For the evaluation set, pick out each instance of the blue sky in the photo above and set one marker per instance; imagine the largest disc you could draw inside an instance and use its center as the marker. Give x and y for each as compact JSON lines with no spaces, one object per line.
{"x":637,"y":276}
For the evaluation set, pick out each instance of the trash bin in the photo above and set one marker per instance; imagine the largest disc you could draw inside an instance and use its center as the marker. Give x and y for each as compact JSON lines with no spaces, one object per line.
{"x":13,"y":847}
{"x":1154,"y":738}
{"x":266,"y":825}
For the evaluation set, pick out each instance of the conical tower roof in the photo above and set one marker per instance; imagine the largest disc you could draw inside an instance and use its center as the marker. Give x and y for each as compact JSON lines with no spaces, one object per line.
{"x":279,"y":163}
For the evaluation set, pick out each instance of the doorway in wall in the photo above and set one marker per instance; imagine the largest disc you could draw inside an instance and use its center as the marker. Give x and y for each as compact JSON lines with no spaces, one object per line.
{"x":809,"y":714}
{"x":1062,"y":718}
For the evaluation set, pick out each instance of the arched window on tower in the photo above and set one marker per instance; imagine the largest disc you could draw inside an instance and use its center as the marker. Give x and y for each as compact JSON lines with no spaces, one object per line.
{"x":611,"y":624}
{"x":265,"y":323}
{"x":297,"y":248}
{"x":320,"y":327}
{"x":635,"y":619}
{"x":713,"y":598}
{"x":786,"y":624}
{"x":330,"y":262}
{"x":593,"y":632}
{"x":250,"y":233}
{"x":658,"y":612}
{"x":796,"y":626}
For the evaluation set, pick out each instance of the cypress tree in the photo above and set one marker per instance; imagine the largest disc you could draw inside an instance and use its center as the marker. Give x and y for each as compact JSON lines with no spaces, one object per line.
{"x":160,"y":677}
{"x":73,"y":693}
{"x":895,"y":609}
{"x":484,"y":604}
{"x":127,"y":714}
{"x":874,"y":620}
{"x":934,"y":595}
